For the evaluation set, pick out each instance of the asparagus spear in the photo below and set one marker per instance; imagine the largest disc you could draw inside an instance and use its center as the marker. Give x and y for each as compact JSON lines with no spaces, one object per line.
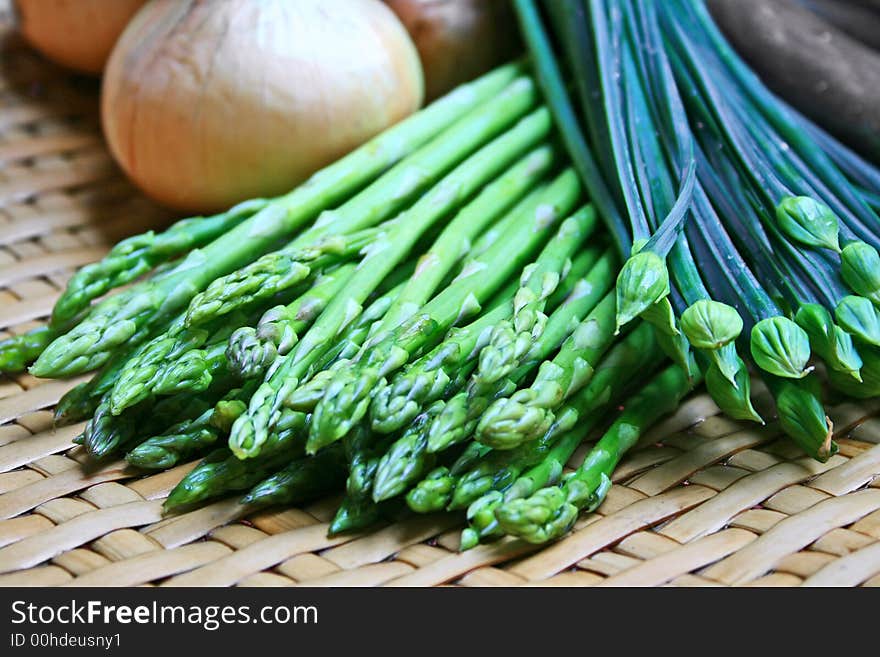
{"x":220,"y":473}
{"x":138,"y":375}
{"x":406,"y":459}
{"x":511,"y":340}
{"x":493,"y":202}
{"x":527,"y":413}
{"x":278,"y":271}
{"x":138,"y":255}
{"x":252,"y":350}
{"x":426,"y":379}
{"x":131,"y":315}
{"x":551,"y":512}
{"x":190,"y":437}
{"x":636,"y":354}
{"x":251,"y":429}
{"x":347,"y":398}
{"x":410,"y":456}
{"x":301,"y":480}
{"x":459,"y":417}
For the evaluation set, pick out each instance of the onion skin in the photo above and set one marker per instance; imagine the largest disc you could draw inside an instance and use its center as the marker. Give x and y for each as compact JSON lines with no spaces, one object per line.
{"x":458,"y":40}
{"x":77,"y":34}
{"x":205,"y":104}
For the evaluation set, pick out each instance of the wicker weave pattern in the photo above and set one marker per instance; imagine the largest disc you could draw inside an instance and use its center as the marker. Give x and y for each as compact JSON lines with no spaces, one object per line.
{"x":703,"y":502}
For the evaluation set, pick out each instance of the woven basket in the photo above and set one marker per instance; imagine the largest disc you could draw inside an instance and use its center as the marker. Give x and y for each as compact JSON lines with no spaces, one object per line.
{"x":703,"y":501}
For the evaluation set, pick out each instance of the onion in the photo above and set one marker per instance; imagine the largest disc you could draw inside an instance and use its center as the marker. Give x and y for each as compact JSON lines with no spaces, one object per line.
{"x":458,"y":39}
{"x":205,"y":104}
{"x":78,"y":34}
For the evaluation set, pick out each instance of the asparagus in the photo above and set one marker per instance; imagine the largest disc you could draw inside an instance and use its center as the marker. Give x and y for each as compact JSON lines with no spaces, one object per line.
{"x":192,"y":436}
{"x":487,"y":485}
{"x":307,"y":395}
{"x":493,"y":202}
{"x":130,"y":316}
{"x":278,"y":271}
{"x":410,"y":456}
{"x":139,"y":374}
{"x":527,"y":413}
{"x":511,"y":340}
{"x":428,"y":378}
{"x":551,"y":511}
{"x":459,"y":417}
{"x":19,"y":351}
{"x":252,"y":350}
{"x":138,"y":255}
{"x":347,"y":398}
{"x":251,"y":429}
{"x":106,"y":433}
{"x":406,"y":459}
{"x":354,"y":515}
{"x":433,"y":492}
{"x":301,"y":480}
{"x":220,"y":473}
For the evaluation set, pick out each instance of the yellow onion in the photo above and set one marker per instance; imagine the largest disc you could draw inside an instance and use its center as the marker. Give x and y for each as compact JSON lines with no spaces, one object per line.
{"x":205,"y":104}
{"x":78,"y":34}
{"x":458,"y":39}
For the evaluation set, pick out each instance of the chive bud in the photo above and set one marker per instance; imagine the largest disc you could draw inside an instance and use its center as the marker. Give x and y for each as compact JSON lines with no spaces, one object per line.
{"x":858,"y":316}
{"x":781,"y":347}
{"x":806,"y":220}
{"x":643,"y":281}
{"x":711,"y":324}
{"x":829,"y":341}
{"x":802,"y":417}
{"x":860,"y":268}
{"x":661,"y":316}
{"x":868,"y":387}
{"x":677,"y":348}
{"x":734,"y":399}
{"x":726,"y":360}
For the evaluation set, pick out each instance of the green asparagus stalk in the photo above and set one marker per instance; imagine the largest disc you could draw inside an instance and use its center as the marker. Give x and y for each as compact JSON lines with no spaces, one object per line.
{"x":485,"y":488}
{"x":551,"y":512}
{"x":406,"y":460}
{"x":528,"y":413}
{"x":278,"y":271}
{"x":347,"y":398}
{"x":511,"y":340}
{"x":19,"y":351}
{"x":251,"y":429}
{"x":252,"y":350}
{"x":410,"y":457}
{"x":428,"y":378}
{"x":138,"y":255}
{"x":130,"y":316}
{"x":221,"y":473}
{"x":460,"y":416}
{"x":139,"y":374}
{"x":301,"y":480}
{"x":494,"y":201}
{"x":432,"y":493}
{"x":192,"y":436}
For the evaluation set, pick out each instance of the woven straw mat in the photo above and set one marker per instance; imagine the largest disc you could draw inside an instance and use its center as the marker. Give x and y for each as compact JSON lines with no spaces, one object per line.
{"x":704,"y":501}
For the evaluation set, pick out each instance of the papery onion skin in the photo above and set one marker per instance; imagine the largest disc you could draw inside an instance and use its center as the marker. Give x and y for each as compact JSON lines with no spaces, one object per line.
{"x":78,"y":34}
{"x":205,"y":104}
{"x":458,"y":39}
